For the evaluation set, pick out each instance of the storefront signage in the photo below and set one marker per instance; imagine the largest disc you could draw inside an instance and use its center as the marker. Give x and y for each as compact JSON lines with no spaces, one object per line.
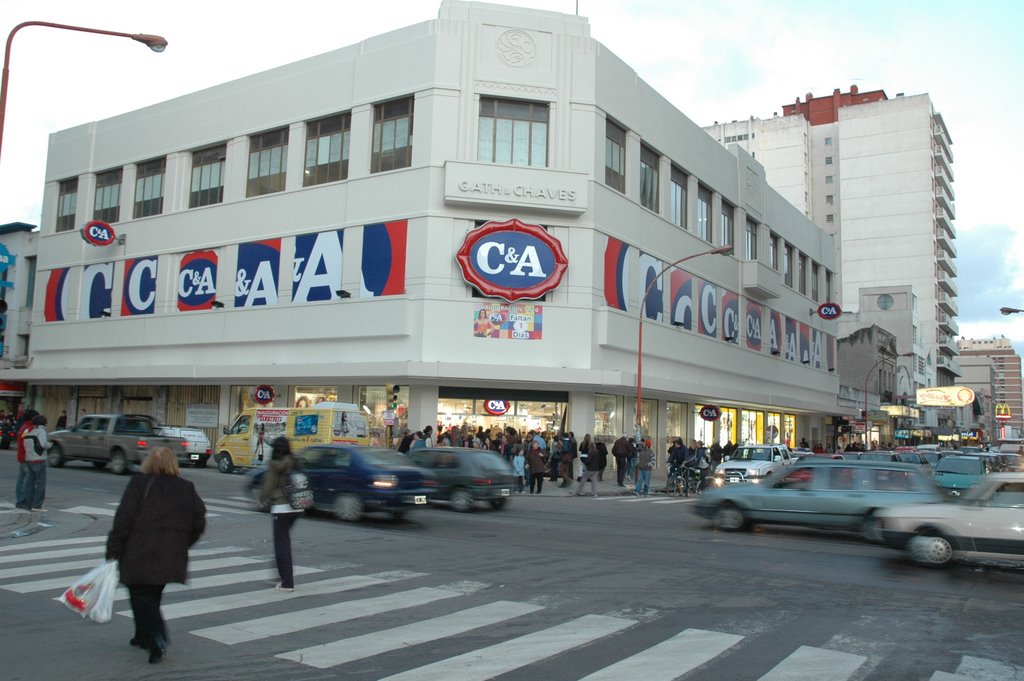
{"x":512,"y":260}
{"x":201,"y":415}
{"x":830,"y":311}
{"x":263,"y":394}
{"x":197,"y":281}
{"x":1003,"y":412}
{"x":12,"y":389}
{"x":515,"y":321}
{"x":497,"y":407}
{"x":98,"y":233}
{"x":945,"y":396}
{"x":6,"y":259}
{"x":710,"y":412}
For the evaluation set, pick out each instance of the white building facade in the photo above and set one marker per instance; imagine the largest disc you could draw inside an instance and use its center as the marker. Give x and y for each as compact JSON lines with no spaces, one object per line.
{"x":299,"y":228}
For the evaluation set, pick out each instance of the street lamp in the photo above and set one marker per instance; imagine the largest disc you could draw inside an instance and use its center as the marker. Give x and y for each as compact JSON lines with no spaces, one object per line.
{"x":1009,"y":310}
{"x":153,"y":42}
{"x":721,"y":250}
{"x":868,"y":378}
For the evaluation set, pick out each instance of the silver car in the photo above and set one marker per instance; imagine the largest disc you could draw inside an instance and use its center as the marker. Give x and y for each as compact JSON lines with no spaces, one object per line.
{"x":986,"y":522}
{"x":827,"y":493}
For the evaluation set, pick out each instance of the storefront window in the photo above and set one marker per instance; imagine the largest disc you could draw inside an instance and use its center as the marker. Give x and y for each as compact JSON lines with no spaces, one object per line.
{"x":702,"y":430}
{"x":773,"y":429}
{"x":648,"y":418}
{"x":373,"y":400}
{"x":789,"y":430}
{"x":523,"y":415}
{"x":751,"y":426}
{"x":675,"y":423}
{"x":608,"y":417}
{"x":545,"y":417}
{"x":308,"y":395}
{"x":241,"y":399}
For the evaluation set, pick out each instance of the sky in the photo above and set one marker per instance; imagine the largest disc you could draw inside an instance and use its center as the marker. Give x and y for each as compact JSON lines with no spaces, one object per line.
{"x":715,"y":61}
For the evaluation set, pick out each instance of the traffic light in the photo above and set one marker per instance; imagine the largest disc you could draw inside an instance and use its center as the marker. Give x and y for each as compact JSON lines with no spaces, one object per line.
{"x":394,"y":396}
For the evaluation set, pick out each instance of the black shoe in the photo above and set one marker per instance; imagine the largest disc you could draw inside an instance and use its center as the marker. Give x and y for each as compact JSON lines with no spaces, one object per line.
{"x":135,"y":642}
{"x":156,"y":654}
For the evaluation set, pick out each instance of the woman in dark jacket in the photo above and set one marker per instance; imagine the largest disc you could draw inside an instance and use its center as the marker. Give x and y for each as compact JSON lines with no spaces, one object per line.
{"x":536,"y":461}
{"x":159,"y":518}
{"x":282,"y":463}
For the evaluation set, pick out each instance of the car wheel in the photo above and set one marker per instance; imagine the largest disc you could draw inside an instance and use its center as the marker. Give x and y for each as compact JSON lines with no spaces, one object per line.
{"x":55,"y":457}
{"x":730,"y":518}
{"x":930,"y":549}
{"x":461,"y":500}
{"x":224,"y":463}
{"x":348,"y":507}
{"x":497,"y":503}
{"x":99,"y":464}
{"x":118,"y":463}
{"x":871,"y":528}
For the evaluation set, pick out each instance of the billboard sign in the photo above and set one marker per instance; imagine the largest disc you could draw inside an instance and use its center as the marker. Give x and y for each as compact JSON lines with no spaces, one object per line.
{"x":945,"y":396}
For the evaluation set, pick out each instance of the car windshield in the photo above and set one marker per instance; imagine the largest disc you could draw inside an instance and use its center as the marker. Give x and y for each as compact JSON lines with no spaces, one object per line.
{"x":491,"y":464}
{"x":752,"y":454}
{"x":876,"y":456}
{"x":384,"y":457}
{"x":960,"y":466}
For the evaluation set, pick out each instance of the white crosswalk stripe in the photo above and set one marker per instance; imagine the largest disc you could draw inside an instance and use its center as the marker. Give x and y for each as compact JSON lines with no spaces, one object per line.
{"x":672,"y":658}
{"x":359,"y":647}
{"x":815,"y":664}
{"x":49,"y":567}
{"x":48,"y":543}
{"x":506,"y":656}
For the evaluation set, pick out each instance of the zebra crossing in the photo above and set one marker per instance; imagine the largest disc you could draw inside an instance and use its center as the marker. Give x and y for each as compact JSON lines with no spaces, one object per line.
{"x":230,"y":583}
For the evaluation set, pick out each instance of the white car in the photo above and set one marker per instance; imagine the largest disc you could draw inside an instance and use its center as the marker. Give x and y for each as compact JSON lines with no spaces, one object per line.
{"x":986,"y":522}
{"x":197,"y":443}
{"x":753,"y":463}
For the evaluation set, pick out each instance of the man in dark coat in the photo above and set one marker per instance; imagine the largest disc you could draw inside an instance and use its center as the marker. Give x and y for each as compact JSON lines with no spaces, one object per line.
{"x":159,"y":518}
{"x":622,"y":450}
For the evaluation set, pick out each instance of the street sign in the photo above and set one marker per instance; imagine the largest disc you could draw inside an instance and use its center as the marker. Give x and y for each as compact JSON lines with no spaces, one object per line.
{"x":389,"y":417}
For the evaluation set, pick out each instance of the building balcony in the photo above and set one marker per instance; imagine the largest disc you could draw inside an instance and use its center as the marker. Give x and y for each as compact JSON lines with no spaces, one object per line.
{"x":945,"y":262}
{"x":944,"y":200}
{"x":948,"y":364}
{"x":944,"y":220}
{"x":948,"y":303}
{"x":944,"y":242}
{"x":947,"y":323}
{"x":948,"y":345}
{"x":941,"y":180}
{"x":942,"y":156}
{"x":760,"y":281}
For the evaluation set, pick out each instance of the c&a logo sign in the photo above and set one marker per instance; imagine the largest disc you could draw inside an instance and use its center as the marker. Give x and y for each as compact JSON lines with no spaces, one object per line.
{"x":512,"y":260}
{"x":197,"y":281}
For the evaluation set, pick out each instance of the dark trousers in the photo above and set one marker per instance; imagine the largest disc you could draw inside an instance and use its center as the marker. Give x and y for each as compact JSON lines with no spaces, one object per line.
{"x":283,"y":547}
{"x":621,"y":464}
{"x":536,"y":479}
{"x":150,"y":631}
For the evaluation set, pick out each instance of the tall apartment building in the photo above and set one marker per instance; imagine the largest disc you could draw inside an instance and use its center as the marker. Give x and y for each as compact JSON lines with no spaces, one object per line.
{"x":1008,"y":388}
{"x":877,"y":174}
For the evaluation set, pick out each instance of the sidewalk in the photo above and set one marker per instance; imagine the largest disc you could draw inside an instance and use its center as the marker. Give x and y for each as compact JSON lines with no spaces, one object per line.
{"x":605,"y":488}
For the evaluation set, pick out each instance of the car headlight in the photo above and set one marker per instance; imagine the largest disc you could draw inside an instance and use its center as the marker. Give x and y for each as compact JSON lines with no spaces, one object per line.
{"x":385,"y":481}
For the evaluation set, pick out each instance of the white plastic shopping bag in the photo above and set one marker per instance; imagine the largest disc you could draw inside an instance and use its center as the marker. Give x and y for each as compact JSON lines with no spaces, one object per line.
{"x":93,"y":594}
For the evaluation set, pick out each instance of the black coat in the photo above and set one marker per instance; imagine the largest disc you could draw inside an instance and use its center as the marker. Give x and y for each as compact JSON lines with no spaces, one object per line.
{"x":159,"y":518}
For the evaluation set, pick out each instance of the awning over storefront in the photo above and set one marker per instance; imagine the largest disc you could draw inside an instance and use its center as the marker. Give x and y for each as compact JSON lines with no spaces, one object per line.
{"x":12,"y":388}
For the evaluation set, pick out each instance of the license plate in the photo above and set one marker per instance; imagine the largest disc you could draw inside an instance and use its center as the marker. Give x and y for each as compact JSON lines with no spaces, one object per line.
{"x":419,"y":499}
{"x":194,"y":457}
{"x":734,"y":479}
{"x":506,"y":492}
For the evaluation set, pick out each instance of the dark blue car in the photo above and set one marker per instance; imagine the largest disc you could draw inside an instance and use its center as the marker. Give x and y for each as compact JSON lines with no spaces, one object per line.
{"x":349,"y":480}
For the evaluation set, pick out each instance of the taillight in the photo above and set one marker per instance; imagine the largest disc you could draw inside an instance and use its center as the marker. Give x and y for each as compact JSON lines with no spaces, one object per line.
{"x":481,"y":481}
{"x":184,"y":445}
{"x":142,"y":444}
{"x":209,"y":451}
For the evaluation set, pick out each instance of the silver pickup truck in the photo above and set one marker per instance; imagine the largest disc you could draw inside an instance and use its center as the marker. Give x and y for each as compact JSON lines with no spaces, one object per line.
{"x":117,"y":440}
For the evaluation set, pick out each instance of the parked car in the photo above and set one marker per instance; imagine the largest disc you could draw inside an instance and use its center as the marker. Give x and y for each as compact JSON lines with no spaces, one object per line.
{"x":983,"y":523}
{"x":466,"y":475}
{"x":197,"y":444}
{"x":349,"y":480}
{"x":119,"y":440}
{"x":753,"y":463}
{"x":957,"y":473}
{"x":821,"y":493}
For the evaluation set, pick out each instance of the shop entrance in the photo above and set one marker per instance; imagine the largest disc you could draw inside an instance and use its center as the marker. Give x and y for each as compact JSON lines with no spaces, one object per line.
{"x":499,"y":409}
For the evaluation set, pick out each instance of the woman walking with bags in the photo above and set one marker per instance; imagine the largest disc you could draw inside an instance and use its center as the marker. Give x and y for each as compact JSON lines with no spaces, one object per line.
{"x":282,"y":463}
{"x":159,"y":518}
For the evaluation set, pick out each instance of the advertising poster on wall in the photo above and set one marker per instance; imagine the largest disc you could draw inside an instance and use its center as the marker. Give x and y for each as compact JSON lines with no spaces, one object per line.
{"x":267,"y":425}
{"x":516,"y":321}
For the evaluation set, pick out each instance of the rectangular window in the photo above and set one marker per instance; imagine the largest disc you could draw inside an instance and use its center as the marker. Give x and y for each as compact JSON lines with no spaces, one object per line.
{"x":207,"y":176}
{"x":828,"y":179}
{"x":828,"y":141}
{"x":30,"y":284}
{"x":787,"y":265}
{"x":828,"y":160}
{"x":513,"y":132}
{"x":830,"y":199}
{"x":677,"y":198}
{"x":725,"y":224}
{"x":615,"y":157}
{"x":149,"y":188}
{"x":392,"y":135}
{"x":327,"y":145}
{"x":828,"y":287}
{"x":830,"y":218}
{"x":802,"y":273}
{"x":649,"y":178}
{"x":751,"y":241}
{"x":773,"y":251}
{"x":67,"y":205}
{"x":814,"y":281}
{"x":268,"y":162}
{"x":704,"y":213}
{"x":108,"y":196}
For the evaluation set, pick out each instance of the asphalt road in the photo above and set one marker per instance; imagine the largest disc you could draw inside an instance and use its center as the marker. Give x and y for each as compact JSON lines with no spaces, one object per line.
{"x":549,"y":588}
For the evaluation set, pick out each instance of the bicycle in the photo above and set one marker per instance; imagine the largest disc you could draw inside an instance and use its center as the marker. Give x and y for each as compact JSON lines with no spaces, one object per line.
{"x":675,"y":482}
{"x":691,"y":481}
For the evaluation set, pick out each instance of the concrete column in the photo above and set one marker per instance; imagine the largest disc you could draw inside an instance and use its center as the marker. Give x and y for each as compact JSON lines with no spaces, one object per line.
{"x":716,"y":218}
{"x":581,"y":414}
{"x":633,"y":165}
{"x":692,"y":186}
{"x":236,"y":169}
{"x":177,"y":181}
{"x":361,"y":145}
{"x":664,"y":186}
{"x":295,"y":169}
{"x":422,"y":407}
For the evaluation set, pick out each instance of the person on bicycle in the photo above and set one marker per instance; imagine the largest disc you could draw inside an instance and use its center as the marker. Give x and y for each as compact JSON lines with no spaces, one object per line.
{"x":699,"y":462}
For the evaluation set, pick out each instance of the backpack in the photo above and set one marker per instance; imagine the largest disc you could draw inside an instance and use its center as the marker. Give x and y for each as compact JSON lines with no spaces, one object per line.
{"x":296,"y":490}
